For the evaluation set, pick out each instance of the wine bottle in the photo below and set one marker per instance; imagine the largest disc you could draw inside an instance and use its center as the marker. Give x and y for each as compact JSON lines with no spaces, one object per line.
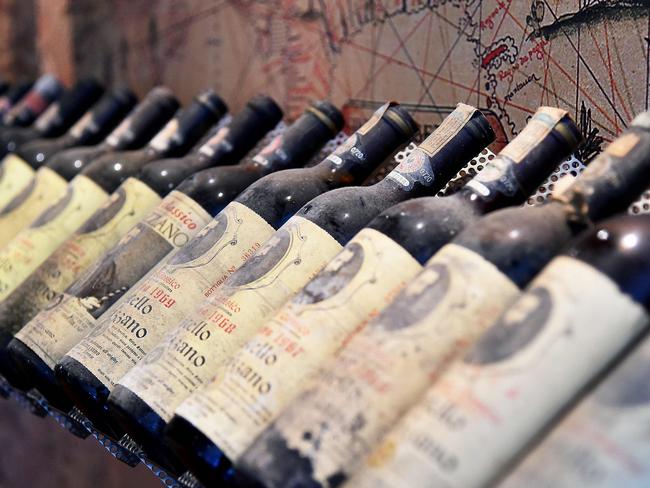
{"x":582,"y":311}
{"x":142,"y":396}
{"x":56,"y":119}
{"x":93,"y":127}
{"x":44,"y":91}
{"x":262,"y":207}
{"x":12,"y":96}
{"x":461,"y":291}
{"x":44,"y":341}
{"x":16,"y":174}
{"x":87,"y":191}
{"x":601,"y":442}
{"x":47,"y":185}
{"x":349,"y":292}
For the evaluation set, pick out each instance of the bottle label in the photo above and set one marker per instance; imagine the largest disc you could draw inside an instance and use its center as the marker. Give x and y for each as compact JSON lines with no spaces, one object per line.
{"x":34,"y":244}
{"x":50,"y":338}
{"x":85,"y":123}
{"x":272,"y":150}
{"x":46,"y":187}
{"x":210,"y":147}
{"x":535,"y":358}
{"x":535,"y":131}
{"x":265,"y":374}
{"x":122,"y":132}
{"x":387,"y":366}
{"x":170,"y":226}
{"x":191,"y":354}
{"x":44,"y":120}
{"x":179,"y":283}
{"x":374,"y":119}
{"x":162,"y":140}
{"x":600,"y":444}
{"x":15,"y":175}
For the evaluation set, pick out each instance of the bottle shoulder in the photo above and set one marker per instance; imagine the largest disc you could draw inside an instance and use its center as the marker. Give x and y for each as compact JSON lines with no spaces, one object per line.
{"x":36,"y":152}
{"x":110,"y":170}
{"x":423,"y":225}
{"x":520,"y":241}
{"x":69,"y":162}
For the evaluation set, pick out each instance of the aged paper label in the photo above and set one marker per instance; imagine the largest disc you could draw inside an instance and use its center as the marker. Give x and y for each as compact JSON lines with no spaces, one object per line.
{"x":171,"y":225}
{"x":388,"y":365}
{"x":15,"y":175}
{"x":126,"y":207}
{"x":263,"y":376}
{"x":33,"y":245}
{"x":194,"y":351}
{"x":45,"y":188}
{"x":531,"y":362}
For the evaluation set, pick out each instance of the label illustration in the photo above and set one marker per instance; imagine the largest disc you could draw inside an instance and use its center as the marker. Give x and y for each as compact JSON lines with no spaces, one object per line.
{"x":194,"y":351}
{"x":388,"y":365}
{"x":600,"y":443}
{"x":265,"y":374}
{"x":33,"y":245}
{"x":15,"y":175}
{"x":132,"y":200}
{"x":182,"y":281}
{"x":44,"y":189}
{"x":169,"y":226}
{"x":515,"y":379}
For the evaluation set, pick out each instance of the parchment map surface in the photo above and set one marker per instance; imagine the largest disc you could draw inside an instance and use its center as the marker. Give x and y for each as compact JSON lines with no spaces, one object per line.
{"x":505,"y":56}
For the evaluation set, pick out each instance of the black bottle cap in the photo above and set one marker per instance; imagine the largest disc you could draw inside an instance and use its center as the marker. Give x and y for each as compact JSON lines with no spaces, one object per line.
{"x":163,"y":97}
{"x":266,"y":106}
{"x":328,"y":114}
{"x":124,"y":96}
{"x":214,"y":102}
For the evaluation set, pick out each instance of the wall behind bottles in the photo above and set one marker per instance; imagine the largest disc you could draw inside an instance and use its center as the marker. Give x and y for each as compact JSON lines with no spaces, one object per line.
{"x":506,"y":57}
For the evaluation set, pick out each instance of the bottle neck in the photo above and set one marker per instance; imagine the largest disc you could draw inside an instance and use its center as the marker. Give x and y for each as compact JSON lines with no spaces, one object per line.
{"x":613,"y":180}
{"x":97,"y":123}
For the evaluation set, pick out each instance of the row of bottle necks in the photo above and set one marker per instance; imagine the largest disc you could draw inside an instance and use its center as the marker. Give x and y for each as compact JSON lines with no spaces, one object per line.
{"x":204,"y":288}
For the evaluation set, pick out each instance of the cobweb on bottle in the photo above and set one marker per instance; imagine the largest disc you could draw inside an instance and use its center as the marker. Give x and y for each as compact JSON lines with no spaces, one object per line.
{"x":572,"y":166}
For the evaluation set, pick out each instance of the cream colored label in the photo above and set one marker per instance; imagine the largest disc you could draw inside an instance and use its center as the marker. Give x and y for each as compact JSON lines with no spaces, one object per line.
{"x":523,"y":371}
{"x":55,"y":330}
{"x":536,"y":129}
{"x":449,"y":127}
{"x":33,"y":245}
{"x":15,"y":176}
{"x":263,"y":376}
{"x":171,"y":225}
{"x":192,"y":353}
{"x":84,"y":123}
{"x":183,"y":280}
{"x":604,"y":442}
{"x":161,"y":141}
{"x":374,"y":119}
{"x":623,"y":145}
{"x":45,"y":189}
{"x":132,"y":200}
{"x":387,"y":366}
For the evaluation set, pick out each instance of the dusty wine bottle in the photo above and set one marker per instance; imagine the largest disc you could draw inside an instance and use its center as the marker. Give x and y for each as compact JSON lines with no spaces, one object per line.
{"x":90,"y":189}
{"x":268,"y":203}
{"x":12,"y":96}
{"x":461,"y":291}
{"x":599,"y":444}
{"x":48,"y":186}
{"x":17,"y":174}
{"x":583,"y":310}
{"x":44,"y":340}
{"x":56,"y":119}
{"x":26,"y":110}
{"x":142,"y":397}
{"x":372,"y":260}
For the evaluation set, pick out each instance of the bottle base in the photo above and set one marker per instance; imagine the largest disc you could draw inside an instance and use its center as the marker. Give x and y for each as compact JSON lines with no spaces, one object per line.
{"x":31,"y":367}
{"x":129,"y":413}
{"x":202,"y":457}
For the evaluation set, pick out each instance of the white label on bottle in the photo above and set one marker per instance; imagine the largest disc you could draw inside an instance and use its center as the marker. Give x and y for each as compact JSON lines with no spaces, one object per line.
{"x":529,"y":365}
{"x":84,"y":123}
{"x":48,"y":337}
{"x":33,"y":245}
{"x":45,"y":188}
{"x":170,"y":226}
{"x":390,"y":364}
{"x":604,"y":442}
{"x":192,"y":353}
{"x":263,"y":376}
{"x":15,"y":176}
{"x":161,"y":141}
